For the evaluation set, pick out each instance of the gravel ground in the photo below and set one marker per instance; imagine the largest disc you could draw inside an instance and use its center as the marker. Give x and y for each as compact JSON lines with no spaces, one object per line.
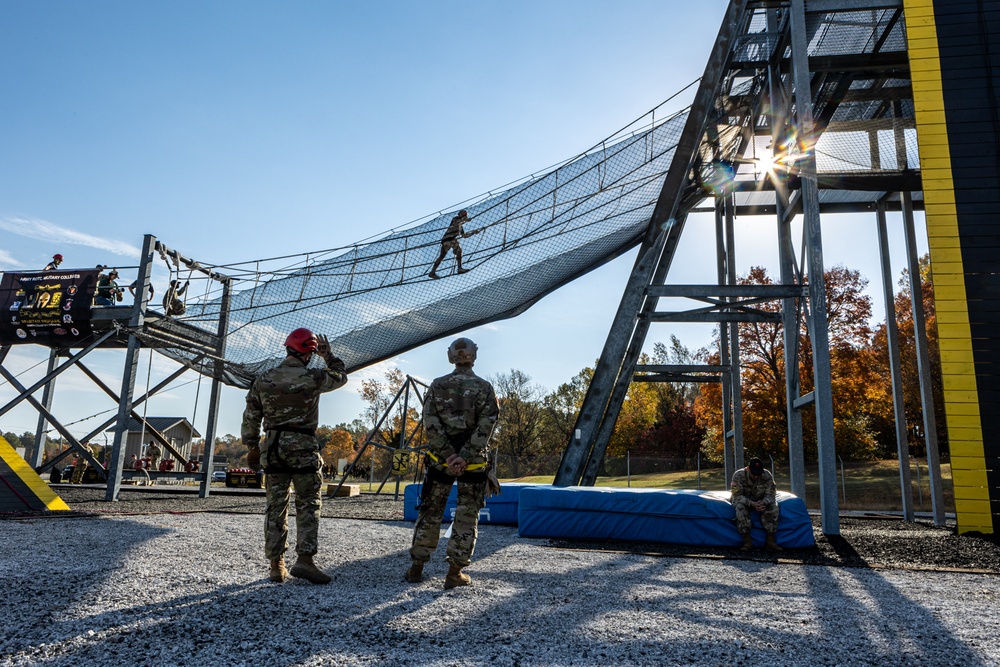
{"x":162,"y":579}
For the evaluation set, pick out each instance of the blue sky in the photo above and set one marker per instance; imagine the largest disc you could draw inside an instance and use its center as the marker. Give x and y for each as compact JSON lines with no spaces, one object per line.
{"x":235,"y":131}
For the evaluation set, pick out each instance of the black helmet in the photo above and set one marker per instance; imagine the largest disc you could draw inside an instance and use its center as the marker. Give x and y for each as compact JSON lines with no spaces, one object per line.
{"x":462,"y":351}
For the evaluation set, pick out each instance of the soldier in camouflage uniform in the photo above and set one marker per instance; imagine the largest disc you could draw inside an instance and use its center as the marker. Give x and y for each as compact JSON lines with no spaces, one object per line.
{"x":153,"y":453}
{"x":450,"y":242}
{"x":753,"y":490}
{"x":81,"y":464}
{"x":460,"y":410}
{"x":286,"y":398}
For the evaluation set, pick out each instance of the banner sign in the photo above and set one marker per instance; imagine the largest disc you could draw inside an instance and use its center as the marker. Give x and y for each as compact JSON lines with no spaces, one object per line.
{"x":46,"y":307}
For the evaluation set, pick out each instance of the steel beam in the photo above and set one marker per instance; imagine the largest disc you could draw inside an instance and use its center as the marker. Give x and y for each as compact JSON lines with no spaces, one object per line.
{"x":38,"y":451}
{"x":820,"y":338}
{"x":923,"y":366}
{"x":725,"y":350}
{"x":734,"y":339}
{"x":680,"y":368}
{"x":729,"y":318}
{"x":895,"y":369}
{"x":760,"y":292}
{"x":128,"y":374}
{"x":784,"y":211}
{"x":208,"y":455}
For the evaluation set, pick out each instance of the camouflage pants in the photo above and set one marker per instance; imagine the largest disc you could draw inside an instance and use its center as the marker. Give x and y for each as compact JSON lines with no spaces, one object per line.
{"x":768,"y":518}
{"x":78,"y":470}
{"x":308,"y":503}
{"x":471,"y":499}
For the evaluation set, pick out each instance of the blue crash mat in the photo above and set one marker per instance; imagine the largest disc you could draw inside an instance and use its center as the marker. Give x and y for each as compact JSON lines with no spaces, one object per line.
{"x":652,"y":515}
{"x":500,"y":509}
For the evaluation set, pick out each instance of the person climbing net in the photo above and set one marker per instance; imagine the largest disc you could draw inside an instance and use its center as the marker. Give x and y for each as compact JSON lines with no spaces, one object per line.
{"x":450,"y":242}
{"x":172,"y":303}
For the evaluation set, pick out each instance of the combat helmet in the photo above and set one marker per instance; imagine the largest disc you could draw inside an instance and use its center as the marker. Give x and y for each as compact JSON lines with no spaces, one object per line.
{"x":462,"y":351}
{"x":302,"y":341}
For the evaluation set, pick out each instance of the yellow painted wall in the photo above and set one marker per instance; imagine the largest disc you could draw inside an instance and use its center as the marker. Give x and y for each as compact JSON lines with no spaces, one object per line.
{"x":965,"y":435}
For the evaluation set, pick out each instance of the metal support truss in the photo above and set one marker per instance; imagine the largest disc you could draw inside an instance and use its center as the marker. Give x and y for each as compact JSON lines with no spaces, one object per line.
{"x":773,"y":87}
{"x":406,"y":437}
{"x":895,"y":368}
{"x":197,"y":342}
{"x":607,"y":388}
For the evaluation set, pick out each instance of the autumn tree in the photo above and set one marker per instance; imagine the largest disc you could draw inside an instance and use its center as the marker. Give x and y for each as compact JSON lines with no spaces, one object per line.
{"x":337,"y":444}
{"x":884,"y":421}
{"x":636,"y":416}
{"x":396,"y":428}
{"x":762,"y":378}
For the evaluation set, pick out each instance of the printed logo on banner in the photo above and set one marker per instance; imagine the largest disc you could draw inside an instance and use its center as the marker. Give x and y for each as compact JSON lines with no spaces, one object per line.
{"x":43,"y":304}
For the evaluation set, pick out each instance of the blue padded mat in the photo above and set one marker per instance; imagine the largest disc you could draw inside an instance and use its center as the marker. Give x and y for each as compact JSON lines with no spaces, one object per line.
{"x":652,"y":515}
{"x":501,"y":509}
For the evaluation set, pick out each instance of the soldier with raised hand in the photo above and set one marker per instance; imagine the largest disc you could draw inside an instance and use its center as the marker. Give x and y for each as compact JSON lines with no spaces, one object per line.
{"x":82,"y":464}
{"x":460,"y":411}
{"x":753,"y":490}
{"x":286,"y":399}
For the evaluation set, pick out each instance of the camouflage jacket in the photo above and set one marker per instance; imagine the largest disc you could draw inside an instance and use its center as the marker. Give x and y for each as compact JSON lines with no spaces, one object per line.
{"x":745,"y":489}
{"x":288,"y":396}
{"x":460,"y":410}
{"x":455,"y":230}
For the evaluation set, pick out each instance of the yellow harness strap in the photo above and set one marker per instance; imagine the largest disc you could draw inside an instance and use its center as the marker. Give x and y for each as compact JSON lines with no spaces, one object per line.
{"x":471,"y":466}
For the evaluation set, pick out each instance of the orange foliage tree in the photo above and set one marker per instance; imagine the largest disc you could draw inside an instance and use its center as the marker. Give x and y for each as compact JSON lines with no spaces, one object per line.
{"x":762,"y":360}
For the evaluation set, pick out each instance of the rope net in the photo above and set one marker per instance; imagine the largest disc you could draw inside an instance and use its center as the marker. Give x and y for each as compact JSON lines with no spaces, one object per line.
{"x":375,"y":299}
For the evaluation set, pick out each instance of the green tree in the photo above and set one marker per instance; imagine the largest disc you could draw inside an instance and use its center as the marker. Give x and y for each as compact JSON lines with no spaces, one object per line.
{"x":519,"y":429}
{"x":562,"y":407}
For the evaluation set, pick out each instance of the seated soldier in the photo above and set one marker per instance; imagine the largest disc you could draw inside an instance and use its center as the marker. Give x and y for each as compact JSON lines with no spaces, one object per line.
{"x":753,"y":490}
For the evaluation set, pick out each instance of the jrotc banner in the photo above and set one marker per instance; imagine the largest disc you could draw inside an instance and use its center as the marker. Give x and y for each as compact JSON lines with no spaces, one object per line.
{"x":46,"y":307}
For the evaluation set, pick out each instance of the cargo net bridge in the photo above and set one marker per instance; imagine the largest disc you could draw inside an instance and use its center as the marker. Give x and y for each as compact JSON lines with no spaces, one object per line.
{"x":375,"y":299}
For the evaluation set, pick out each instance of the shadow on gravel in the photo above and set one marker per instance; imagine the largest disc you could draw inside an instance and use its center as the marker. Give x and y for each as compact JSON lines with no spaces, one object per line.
{"x":530,"y":604}
{"x":884,"y":623}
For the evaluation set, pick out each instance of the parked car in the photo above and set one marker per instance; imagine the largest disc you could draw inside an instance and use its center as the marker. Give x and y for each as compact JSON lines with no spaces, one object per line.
{"x":219,"y":476}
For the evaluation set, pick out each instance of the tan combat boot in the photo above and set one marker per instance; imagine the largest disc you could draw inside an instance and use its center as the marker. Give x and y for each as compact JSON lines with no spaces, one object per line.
{"x":771,"y":544}
{"x":415,"y":574}
{"x":278,"y":572}
{"x":304,"y":568}
{"x":747,"y":543}
{"x":456,"y":578}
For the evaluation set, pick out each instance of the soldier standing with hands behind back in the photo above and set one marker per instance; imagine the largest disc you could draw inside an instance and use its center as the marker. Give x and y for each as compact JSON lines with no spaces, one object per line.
{"x":460,"y":410}
{"x":286,"y":398}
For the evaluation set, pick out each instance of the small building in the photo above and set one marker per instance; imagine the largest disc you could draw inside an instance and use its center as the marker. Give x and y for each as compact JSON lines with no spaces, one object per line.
{"x":178,"y":431}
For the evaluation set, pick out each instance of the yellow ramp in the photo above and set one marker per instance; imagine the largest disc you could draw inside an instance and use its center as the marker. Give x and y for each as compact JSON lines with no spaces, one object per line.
{"x":20,"y":487}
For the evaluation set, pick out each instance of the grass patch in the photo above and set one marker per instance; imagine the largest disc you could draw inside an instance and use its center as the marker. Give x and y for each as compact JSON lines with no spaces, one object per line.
{"x":864,"y":486}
